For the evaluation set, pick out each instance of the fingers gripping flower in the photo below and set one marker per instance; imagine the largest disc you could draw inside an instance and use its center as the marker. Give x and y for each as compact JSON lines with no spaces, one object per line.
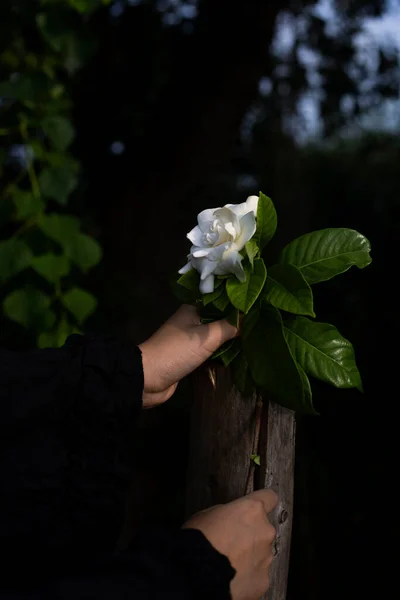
{"x":217,"y":240}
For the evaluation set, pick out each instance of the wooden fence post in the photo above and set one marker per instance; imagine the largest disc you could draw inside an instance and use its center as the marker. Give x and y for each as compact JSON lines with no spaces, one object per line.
{"x":223,"y":432}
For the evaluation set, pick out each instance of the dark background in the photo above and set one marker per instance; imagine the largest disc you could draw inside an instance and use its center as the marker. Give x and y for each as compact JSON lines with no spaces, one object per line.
{"x":187,"y":105}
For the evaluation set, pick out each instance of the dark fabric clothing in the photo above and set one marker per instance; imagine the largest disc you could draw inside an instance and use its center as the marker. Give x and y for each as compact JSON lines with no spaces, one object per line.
{"x":66,"y":422}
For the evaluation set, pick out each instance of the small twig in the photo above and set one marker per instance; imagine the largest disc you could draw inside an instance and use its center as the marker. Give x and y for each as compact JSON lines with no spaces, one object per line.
{"x":256,"y":442}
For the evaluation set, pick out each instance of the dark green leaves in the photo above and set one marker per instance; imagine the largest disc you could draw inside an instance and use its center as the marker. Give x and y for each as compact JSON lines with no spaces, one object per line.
{"x":56,"y":337}
{"x":15,"y":256}
{"x":270,"y":361}
{"x":30,"y":308}
{"x":287,"y":289}
{"x":83,"y":250}
{"x":322,"y":352}
{"x":321,"y":255}
{"x":27,"y":204}
{"x":80,"y":303}
{"x":244,"y":294}
{"x":60,"y":228}
{"x":266,"y":221}
{"x":58,"y":182}
{"x":190,"y":280}
{"x":51,"y":266}
{"x":59,"y":131}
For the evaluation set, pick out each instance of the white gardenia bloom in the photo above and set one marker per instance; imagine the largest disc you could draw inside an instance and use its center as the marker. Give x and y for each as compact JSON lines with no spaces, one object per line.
{"x":217,"y":240}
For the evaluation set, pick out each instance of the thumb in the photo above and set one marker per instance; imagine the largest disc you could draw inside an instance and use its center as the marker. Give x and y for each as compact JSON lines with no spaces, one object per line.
{"x":219,"y":332}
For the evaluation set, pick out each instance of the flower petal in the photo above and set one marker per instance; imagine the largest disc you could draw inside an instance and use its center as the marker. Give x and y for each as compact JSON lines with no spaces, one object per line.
{"x":185,"y":269}
{"x":196,"y":236}
{"x":205,"y":219}
{"x":247,"y":229}
{"x":200,"y":252}
{"x":252,"y":203}
{"x":232,"y":263}
{"x":207,"y":285}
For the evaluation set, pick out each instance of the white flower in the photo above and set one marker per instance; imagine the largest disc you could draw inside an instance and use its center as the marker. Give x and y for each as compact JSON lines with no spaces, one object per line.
{"x":217,"y":240}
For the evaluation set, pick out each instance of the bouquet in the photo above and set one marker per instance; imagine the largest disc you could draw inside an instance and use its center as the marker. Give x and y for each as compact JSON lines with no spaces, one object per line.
{"x":281,"y":343}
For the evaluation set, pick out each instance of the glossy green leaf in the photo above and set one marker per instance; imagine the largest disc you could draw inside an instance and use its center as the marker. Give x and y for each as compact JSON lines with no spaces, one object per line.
{"x":190,"y":280}
{"x":252,"y":250}
{"x":322,"y":352}
{"x":84,"y":251}
{"x":230,"y":355}
{"x":59,"y":182}
{"x":80,"y":303}
{"x":27,"y":204}
{"x":244,"y":294}
{"x":29,"y":307}
{"x":222,"y":301}
{"x":51,"y":266}
{"x":59,"y":131}
{"x":233,"y":317}
{"x":267,"y":221}
{"x":322,"y":254}
{"x":60,"y":228}
{"x":270,"y":361}
{"x":287,"y":290}
{"x":15,"y":256}
{"x":218,"y":291}
{"x":307,"y":393}
{"x":224,"y":348}
{"x":256,"y":459}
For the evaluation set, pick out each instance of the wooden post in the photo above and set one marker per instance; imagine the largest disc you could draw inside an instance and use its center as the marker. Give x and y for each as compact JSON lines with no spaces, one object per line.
{"x":223,"y":436}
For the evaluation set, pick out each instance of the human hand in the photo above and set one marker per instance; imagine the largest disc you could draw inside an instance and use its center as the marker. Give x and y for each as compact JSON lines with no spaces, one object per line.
{"x":241,"y":531}
{"x":176,"y":349}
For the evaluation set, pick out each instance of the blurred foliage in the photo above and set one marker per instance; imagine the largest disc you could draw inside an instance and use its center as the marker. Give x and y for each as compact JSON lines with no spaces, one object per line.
{"x":43,"y":249}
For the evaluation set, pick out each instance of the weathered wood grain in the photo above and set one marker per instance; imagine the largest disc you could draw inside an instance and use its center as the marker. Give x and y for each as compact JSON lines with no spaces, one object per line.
{"x":222,"y":439}
{"x":277,"y":450}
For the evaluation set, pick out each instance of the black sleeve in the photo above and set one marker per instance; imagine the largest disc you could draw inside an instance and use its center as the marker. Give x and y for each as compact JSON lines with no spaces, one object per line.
{"x":177,"y":566}
{"x":66,"y":422}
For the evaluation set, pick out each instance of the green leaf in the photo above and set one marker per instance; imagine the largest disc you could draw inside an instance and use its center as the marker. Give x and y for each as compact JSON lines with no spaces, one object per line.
{"x":271,"y":363}
{"x":244,"y":294}
{"x":27,"y":204}
{"x":241,"y":375}
{"x":60,"y":228}
{"x":190,"y":280}
{"x":59,"y":130}
{"x":51,"y":266}
{"x":231,"y":353}
{"x":218,"y":291}
{"x":233,"y":317}
{"x":84,"y":251}
{"x":58,"y":182}
{"x":57,"y":337}
{"x":287,"y":289}
{"x":15,"y":256}
{"x":227,"y":352}
{"x":307,"y":398}
{"x":29,"y":307}
{"x":80,"y":303}
{"x":322,"y":254}
{"x":26,"y":88}
{"x":267,"y":221}
{"x":251,"y":250}
{"x":220,"y":351}
{"x":255,"y":458}
{"x":322,"y":352}
{"x":222,"y":301}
